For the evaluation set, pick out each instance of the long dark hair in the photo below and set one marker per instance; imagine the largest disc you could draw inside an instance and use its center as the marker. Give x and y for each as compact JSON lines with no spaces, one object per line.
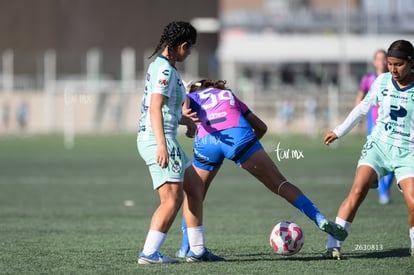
{"x":174,"y":34}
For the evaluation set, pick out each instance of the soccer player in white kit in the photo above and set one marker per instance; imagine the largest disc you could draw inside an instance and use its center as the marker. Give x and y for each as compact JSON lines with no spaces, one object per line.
{"x":390,"y":147}
{"x":161,"y":113}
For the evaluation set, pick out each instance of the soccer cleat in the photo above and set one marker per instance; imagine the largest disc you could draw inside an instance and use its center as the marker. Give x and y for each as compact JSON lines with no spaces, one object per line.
{"x":182,"y":252}
{"x":206,"y":256}
{"x":333,"y":229}
{"x":155,"y":258}
{"x":384,"y":199}
{"x":332,"y":253}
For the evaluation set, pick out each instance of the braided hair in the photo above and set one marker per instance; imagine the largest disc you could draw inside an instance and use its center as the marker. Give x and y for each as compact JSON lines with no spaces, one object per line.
{"x":174,"y":34}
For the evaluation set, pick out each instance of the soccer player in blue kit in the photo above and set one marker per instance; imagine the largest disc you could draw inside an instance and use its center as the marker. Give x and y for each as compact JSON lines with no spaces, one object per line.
{"x":390,"y":147}
{"x":228,"y":129}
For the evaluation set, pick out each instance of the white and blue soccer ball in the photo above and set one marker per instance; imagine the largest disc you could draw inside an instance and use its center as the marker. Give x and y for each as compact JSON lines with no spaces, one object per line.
{"x":287,"y":238}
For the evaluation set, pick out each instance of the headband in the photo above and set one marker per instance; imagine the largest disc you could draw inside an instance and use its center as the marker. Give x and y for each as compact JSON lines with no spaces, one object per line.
{"x":399,"y":54}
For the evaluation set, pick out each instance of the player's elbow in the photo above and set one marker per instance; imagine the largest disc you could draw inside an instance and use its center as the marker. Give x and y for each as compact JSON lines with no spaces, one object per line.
{"x":260,"y":130}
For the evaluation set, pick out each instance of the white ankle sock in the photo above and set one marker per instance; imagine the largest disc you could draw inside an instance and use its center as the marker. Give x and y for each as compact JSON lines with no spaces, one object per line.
{"x":154,"y":241}
{"x":412,"y":237}
{"x":196,"y":239}
{"x":332,"y":242}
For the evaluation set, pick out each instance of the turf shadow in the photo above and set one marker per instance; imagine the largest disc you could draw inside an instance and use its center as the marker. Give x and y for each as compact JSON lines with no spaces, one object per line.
{"x":390,"y":253}
{"x":254,"y":257}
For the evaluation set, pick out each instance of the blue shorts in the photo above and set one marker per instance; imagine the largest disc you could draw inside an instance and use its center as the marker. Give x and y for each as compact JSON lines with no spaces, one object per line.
{"x":236,"y":144}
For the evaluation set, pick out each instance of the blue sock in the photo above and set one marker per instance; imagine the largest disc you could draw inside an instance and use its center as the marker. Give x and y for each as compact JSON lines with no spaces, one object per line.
{"x":307,"y":207}
{"x":185,"y":245}
{"x":385,"y":184}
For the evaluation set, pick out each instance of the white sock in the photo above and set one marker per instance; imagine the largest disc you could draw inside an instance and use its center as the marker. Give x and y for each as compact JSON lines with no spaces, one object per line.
{"x":196,"y":239}
{"x":332,"y":242}
{"x":154,"y":241}
{"x":412,"y":237}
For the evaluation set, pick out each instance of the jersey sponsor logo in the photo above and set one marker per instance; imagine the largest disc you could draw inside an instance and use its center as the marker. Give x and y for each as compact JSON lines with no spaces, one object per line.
{"x":399,"y":96}
{"x":163,"y":82}
{"x":401,"y":133}
{"x":216,"y":118}
{"x":387,"y":126}
{"x":390,"y":126}
{"x":397,"y":111}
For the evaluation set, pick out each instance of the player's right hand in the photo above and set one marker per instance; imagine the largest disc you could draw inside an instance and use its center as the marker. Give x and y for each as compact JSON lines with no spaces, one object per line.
{"x":330,"y":137}
{"x":162,"y":156}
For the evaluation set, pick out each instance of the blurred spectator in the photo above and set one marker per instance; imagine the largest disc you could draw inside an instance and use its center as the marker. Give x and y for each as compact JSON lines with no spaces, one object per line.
{"x":5,"y":115}
{"x":22,"y":116}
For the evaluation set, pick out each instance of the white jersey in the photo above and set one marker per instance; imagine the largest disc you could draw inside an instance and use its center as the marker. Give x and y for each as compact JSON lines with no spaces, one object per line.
{"x":162,"y":78}
{"x":395,"y":123}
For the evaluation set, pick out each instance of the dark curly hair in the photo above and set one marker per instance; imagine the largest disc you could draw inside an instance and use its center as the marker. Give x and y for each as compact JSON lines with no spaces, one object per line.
{"x":174,"y":34}
{"x":208,"y":83}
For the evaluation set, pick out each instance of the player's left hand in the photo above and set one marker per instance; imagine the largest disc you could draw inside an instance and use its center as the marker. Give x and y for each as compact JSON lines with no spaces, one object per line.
{"x":330,"y":137}
{"x":191,"y":115}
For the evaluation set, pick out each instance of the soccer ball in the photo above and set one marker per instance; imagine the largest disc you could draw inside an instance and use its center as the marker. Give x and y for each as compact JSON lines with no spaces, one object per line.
{"x":287,"y":238}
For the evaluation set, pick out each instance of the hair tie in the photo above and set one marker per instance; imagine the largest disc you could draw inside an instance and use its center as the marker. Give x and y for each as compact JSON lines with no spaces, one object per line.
{"x":399,"y":54}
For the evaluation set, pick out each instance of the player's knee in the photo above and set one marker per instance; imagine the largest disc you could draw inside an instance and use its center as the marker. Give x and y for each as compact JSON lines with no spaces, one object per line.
{"x":173,"y":202}
{"x":410,"y":204}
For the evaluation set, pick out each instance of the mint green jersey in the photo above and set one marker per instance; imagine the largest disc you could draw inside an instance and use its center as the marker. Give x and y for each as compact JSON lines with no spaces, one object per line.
{"x":395,"y":123}
{"x":162,"y":78}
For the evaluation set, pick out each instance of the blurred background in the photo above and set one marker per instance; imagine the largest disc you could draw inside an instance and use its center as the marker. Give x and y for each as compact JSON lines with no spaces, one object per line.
{"x":78,"y":66}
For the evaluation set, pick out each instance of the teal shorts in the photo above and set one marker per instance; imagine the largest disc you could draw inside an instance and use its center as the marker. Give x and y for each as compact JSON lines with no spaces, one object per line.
{"x":178,"y":162}
{"x":385,"y":158}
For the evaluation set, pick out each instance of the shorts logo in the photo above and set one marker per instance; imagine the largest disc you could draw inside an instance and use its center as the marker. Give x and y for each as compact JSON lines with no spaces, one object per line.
{"x":363,"y":154}
{"x":176,"y":167}
{"x":366,"y":147}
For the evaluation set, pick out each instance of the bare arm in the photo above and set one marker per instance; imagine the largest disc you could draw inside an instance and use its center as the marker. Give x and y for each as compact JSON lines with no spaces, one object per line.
{"x":259,"y":127}
{"x":189,"y":119}
{"x":157,"y":123}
